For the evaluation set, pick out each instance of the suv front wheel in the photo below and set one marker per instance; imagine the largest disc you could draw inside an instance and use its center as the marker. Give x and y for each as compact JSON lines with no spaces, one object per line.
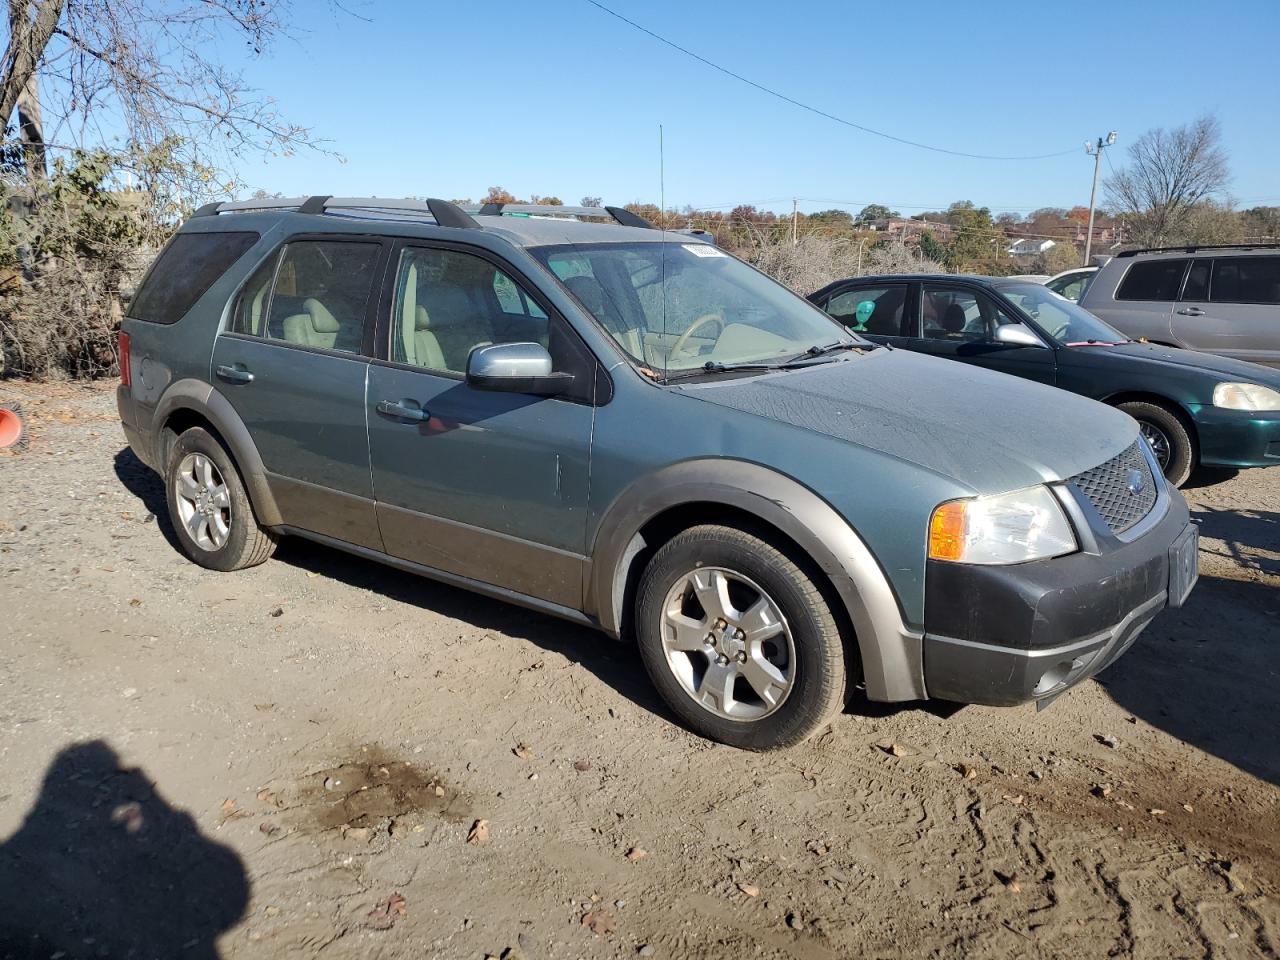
{"x":209,"y":508}
{"x":739,"y":640}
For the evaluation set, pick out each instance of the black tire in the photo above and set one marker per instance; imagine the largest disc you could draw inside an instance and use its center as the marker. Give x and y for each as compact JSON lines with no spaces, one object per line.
{"x":1181,"y":459}
{"x":247,"y":543}
{"x":819,"y":674}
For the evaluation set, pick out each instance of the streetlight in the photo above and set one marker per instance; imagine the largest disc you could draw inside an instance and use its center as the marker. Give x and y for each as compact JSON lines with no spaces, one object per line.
{"x":1095,"y":151}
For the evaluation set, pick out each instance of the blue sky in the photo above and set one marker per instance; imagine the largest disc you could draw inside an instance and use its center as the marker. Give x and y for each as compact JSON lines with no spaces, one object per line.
{"x":449,"y":98}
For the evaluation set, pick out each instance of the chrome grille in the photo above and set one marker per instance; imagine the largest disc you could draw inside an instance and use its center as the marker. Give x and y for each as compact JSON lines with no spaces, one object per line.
{"x":1109,"y":488}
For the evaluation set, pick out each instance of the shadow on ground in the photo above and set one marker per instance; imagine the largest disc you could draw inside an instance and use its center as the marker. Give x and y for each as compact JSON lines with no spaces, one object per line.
{"x":103,"y":867}
{"x":617,"y":664}
{"x":1209,"y":674}
{"x":1243,"y":533}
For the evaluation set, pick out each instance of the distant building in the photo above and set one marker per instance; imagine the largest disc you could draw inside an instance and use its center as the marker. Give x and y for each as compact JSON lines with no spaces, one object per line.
{"x":1028,"y":248}
{"x":904,"y":229}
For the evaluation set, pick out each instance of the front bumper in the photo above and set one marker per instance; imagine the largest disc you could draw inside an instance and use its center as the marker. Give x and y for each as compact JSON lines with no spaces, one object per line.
{"x":1237,"y":438}
{"x":1003,"y":635}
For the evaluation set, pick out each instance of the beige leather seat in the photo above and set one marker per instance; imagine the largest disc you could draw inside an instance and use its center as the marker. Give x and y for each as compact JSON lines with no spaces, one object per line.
{"x":426,"y":347}
{"x":315,"y":327}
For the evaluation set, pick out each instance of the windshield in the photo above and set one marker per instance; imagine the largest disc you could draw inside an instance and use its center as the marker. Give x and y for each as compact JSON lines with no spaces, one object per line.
{"x":1060,"y":318}
{"x":689,"y":306}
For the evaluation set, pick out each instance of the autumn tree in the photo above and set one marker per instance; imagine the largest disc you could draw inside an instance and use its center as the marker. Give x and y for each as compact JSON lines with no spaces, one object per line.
{"x":74,"y":68}
{"x":875,"y":211}
{"x":499,"y":195}
{"x":1169,"y":172}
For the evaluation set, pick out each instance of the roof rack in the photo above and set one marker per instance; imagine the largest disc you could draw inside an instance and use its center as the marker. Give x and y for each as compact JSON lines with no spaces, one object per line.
{"x":444,"y":213}
{"x":1193,"y":248}
{"x":618,"y":214}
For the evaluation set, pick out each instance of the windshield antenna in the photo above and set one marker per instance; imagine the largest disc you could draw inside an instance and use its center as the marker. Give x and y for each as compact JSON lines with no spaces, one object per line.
{"x":662,"y":223}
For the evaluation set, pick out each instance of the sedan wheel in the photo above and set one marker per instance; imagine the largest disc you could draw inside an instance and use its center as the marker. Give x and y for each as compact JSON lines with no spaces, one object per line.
{"x":1159,"y":442}
{"x":728,"y":644}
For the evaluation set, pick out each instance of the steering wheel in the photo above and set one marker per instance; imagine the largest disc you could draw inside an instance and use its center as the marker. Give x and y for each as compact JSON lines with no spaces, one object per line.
{"x":698,"y":324}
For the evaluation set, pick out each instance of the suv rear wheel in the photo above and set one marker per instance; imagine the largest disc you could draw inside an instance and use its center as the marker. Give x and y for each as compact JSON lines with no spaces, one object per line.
{"x":1167,"y":437}
{"x":739,"y":640}
{"x":209,"y":508}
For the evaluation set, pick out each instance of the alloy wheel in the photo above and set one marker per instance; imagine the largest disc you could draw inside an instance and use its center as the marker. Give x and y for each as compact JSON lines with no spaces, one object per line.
{"x":1158,"y":440}
{"x":204,"y":503}
{"x":728,"y":644}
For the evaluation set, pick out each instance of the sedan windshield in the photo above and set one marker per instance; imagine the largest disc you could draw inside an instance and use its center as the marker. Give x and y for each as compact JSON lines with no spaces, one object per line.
{"x":1063,"y":320}
{"x":689,"y":306}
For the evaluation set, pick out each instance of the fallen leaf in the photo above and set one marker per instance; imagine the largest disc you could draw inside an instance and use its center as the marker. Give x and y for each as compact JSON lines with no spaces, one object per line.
{"x":1189,"y":808}
{"x":267,"y":796}
{"x":750,"y":889}
{"x":600,"y":921}
{"x":135,"y":602}
{"x":1157,"y":812}
{"x":384,"y":915}
{"x":264,"y":707}
{"x":268,"y":828}
{"x":1127,"y":806}
{"x":967,"y":772}
{"x":311,"y":574}
{"x":582,"y":766}
{"x":228,"y":806}
{"x":636,"y":853}
{"x":1106,"y":740}
{"x":1016,"y":801}
{"x":896,"y":749}
{"x":1101,"y":790}
{"x":1010,"y":882}
{"x":478,"y":835}
{"x":277,"y":612}
{"x":523,"y":751}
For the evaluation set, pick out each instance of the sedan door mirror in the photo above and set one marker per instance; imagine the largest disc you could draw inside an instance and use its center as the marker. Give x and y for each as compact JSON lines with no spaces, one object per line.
{"x":516,"y":368}
{"x":1017,"y":335}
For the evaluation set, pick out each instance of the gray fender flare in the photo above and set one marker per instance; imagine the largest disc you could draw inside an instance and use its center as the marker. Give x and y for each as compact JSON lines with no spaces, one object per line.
{"x":891,"y":653}
{"x":201,"y":398}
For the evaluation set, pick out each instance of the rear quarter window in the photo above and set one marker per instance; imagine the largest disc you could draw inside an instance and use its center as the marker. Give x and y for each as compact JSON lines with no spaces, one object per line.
{"x":185,"y":269}
{"x":1152,"y":280}
{"x":1246,"y":280}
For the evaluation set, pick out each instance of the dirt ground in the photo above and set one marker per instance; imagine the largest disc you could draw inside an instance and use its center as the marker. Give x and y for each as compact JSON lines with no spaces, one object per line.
{"x":288,"y":762}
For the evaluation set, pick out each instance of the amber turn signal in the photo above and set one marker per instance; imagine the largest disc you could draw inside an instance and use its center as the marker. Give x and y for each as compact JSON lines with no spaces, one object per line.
{"x":947,"y":531}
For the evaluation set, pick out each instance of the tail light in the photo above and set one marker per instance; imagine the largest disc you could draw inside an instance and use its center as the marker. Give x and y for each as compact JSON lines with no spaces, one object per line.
{"x":122,"y":358}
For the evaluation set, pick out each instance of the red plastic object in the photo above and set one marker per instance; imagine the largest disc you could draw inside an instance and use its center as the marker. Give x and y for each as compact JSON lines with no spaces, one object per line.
{"x":11,"y":427}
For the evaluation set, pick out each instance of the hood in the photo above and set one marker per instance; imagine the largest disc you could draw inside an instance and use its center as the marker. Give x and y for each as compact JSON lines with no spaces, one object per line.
{"x":1217,"y":368}
{"x":988,"y":431}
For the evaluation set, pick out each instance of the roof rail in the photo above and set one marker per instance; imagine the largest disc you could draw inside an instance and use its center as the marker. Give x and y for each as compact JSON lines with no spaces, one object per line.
{"x":1193,"y":248}
{"x":444,"y":213}
{"x":617,"y":214}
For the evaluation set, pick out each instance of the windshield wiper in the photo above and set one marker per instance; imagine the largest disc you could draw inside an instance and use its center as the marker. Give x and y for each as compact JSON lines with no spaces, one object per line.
{"x":813,"y":353}
{"x":715,"y":366}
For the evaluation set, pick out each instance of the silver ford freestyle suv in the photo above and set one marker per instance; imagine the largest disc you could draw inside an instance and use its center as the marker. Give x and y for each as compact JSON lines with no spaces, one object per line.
{"x":1218,"y":299}
{"x":633,"y":430}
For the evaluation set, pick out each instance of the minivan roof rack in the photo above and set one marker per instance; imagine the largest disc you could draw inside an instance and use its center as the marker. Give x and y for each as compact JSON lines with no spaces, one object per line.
{"x":618,"y":214}
{"x":444,"y":213}
{"x":1192,"y":248}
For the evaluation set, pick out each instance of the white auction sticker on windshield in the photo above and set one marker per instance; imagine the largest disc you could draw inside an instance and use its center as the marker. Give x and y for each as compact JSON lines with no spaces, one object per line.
{"x":703,"y":250}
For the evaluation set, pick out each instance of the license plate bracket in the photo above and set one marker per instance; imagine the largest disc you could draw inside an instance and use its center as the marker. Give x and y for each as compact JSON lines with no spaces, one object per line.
{"x":1184,"y":565}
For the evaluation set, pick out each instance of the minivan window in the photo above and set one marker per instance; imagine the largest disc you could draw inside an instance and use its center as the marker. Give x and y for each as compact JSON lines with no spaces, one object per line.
{"x":1246,"y":280}
{"x":321,"y":294}
{"x":1152,"y":280}
{"x":182,"y":273}
{"x":688,"y":306}
{"x":447,"y":303}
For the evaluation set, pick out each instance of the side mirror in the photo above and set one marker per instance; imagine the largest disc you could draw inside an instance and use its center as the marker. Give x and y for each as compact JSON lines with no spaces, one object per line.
{"x":1017,"y":335}
{"x":515,"y":368}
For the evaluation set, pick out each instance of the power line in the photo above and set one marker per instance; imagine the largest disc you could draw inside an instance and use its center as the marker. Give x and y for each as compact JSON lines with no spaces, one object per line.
{"x":804,"y":106}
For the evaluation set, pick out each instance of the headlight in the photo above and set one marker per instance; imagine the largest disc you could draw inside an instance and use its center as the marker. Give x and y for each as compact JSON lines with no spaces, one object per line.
{"x":1245,"y":396}
{"x":1010,"y":528}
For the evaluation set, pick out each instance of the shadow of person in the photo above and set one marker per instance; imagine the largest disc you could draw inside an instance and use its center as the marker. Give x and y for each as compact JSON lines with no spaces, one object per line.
{"x":103,"y":867}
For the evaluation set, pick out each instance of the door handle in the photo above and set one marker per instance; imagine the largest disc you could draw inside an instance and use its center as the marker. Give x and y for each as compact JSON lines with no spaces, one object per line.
{"x":399,"y":410}
{"x":234,"y":374}
{"x":1191,"y":312}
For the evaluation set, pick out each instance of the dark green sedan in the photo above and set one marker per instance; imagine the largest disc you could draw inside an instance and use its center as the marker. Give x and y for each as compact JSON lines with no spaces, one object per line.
{"x":1194,"y":409}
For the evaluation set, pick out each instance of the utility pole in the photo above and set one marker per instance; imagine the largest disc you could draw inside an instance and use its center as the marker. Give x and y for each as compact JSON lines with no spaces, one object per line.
{"x":795,"y":222}
{"x":1094,"y":150}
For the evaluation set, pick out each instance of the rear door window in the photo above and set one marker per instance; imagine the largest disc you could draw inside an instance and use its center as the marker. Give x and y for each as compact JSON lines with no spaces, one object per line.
{"x":874,"y":310}
{"x":1246,"y":280}
{"x":1197,"y":285}
{"x":1152,"y":280}
{"x":182,"y":273}
{"x":960,"y":315}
